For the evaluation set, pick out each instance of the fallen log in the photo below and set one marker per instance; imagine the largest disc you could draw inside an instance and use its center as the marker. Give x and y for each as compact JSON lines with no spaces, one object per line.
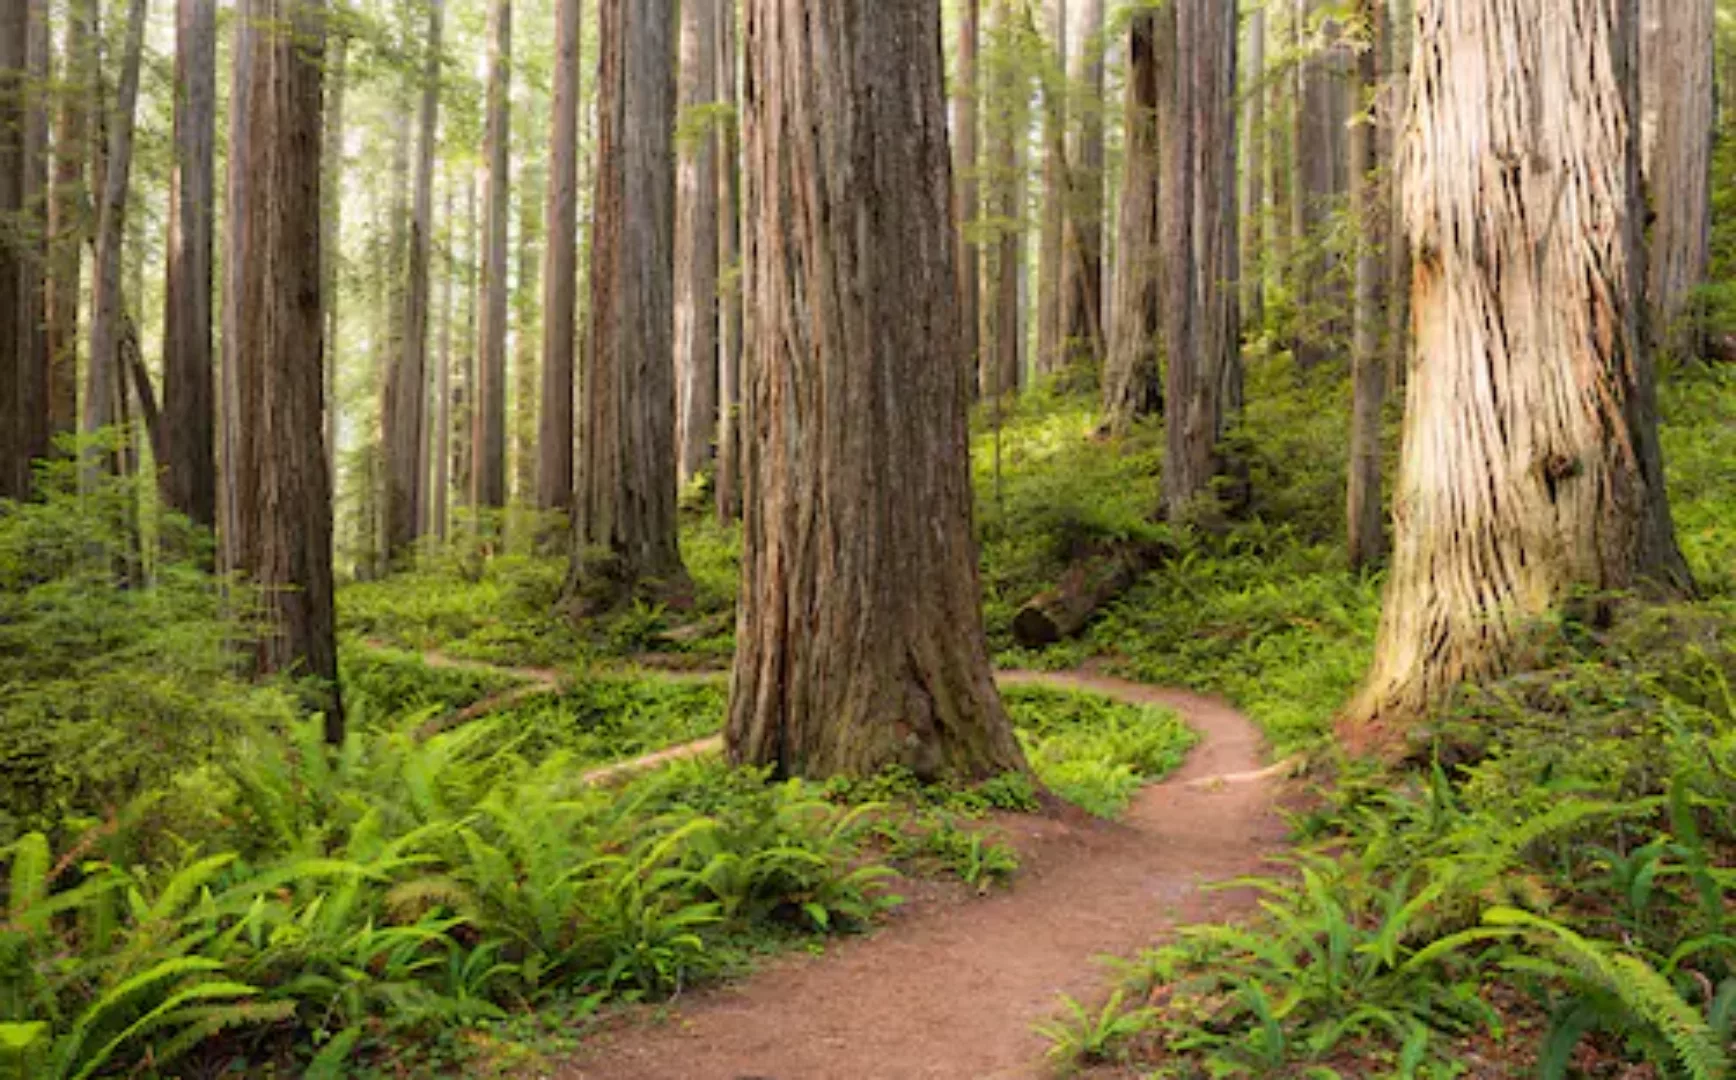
{"x":1088,"y":584}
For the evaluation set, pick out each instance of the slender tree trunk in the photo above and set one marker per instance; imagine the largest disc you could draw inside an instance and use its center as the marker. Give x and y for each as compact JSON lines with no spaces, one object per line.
{"x":189,"y":473}
{"x":1395,"y":49}
{"x":286,"y":507}
{"x":561,"y":269}
{"x":1051,"y":356}
{"x":488,"y":444}
{"x":1363,"y":514}
{"x":528,"y":335}
{"x":103,"y":375}
{"x":1678,"y":39}
{"x":403,"y":422}
{"x":331,"y":242}
{"x":967,"y":116}
{"x":1082,"y":244}
{"x":14,"y":256}
{"x":696,"y":244}
{"x":1531,"y":469}
{"x":1280,"y":149}
{"x":69,"y":215}
{"x":1000,"y":369}
{"x":1200,"y":319}
{"x":441,"y":448}
{"x":464,"y":398}
{"x":729,"y":258}
{"x":1254,"y":175}
{"x":860,"y":636}
{"x":234,"y":465}
{"x":1132,"y":376}
{"x":624,"y":528}
{"x":1313,"y":184}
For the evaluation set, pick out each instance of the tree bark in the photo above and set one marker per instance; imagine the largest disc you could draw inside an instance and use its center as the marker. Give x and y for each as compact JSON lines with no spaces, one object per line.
{"x":1677,"y":95}
{"x":1082,"y":244}
{"x":1253,"y":210}
{"x":69,"y":220}
{"x":232,"y":462}
{"x":440,"y":451}
{"x":189,"y":471}
{"x":696,"y":243}
{"x":14,"y":256}
{"x":561,"y":269}
{"x":488,"y":443}
{"x":1363,"y":513}
{"x":337,"y":78}
{"x":967,"y":116}
{"x":1531,"y":469}
{"x":1051,"y":356}
{"x":860,"y":634}
{"x":1314,"y":183}
{"x":1132,"y":376}
{"x":403,"y":421}
{"x":1000,"y":371}
{"x":286,"y":499}
{"x":624,"y":528}
{"x":1200,"y":320}
{"x":528,"y":335}
{"x":729,"y":258}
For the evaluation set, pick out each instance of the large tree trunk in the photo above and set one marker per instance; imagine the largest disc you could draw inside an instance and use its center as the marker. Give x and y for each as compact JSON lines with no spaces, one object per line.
{"x":560,"y":269}
{"x":1200,"y":322}
{"x":69,"y":217}
{"x":860,"y":634}
{"x":967,"y":115}
{"x":286,"y":515}
{"x":1678,"y":38}
{"x":403,"y":422}
{"x":1367,"y":539}
{"x":624,"y":527}
{"x":1082,"y":244}
{"x":729,"y":258}
{"x":103,"y":386}
{"x":1531,"y":468}
{"x":189,"y":471}
{"x":1052,"y":242}
{"x":488,"y":443}
{"x":1132,"y":377}
{"x":696,"y":245}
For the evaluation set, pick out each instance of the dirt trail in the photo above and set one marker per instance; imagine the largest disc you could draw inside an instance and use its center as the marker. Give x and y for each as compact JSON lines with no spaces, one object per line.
{"x":950,"y":991}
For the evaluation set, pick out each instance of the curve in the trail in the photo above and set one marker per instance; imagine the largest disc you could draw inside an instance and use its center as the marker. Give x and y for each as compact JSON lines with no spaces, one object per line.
{"x":951,"y":991}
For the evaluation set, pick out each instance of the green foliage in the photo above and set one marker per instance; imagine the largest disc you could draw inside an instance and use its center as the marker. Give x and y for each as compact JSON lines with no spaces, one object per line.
{"x":607,"y":718}
{"x":1094,"y":752}
{"x":1082,"y":1037}
{"x":499,"y":610}
{"x":388,"y":682}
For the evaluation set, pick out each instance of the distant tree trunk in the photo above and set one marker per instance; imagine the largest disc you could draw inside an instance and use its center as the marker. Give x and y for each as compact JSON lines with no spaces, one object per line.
{"x":1051,"y":356}
{"x":1313,"y":185}
{"x":464,"y":398}
{"x":488,"y":444}
{"x":337,"y":62}
{"x":238,"y":191}
{"x":1280,"y":147}
{"x":189,"y":473}
{"x":1678,"y":39}
{"x":286,"y":500}
{"x":14,"y":256}
{"x":1367,"y":540}
{"x":441,"y":449}
{"x":1132,"y":376}
{"x":729,"y":258}
{"x":696,"y":244}
{"x":1200,"y":320}
{"x":1396,"y":53}
{"x":1000,"y":369}
{"x":403,"y":423}
{"x":1254,"y":178}
{"x":69,"y":217}
{"x":968,"y":118}
{"x":102,"y":400}
{"x":624,"y":525}
{"x":561,"y":269}
{"x":860,"y":637}
{"x":1531,"y":469}
{"x":528,"y":335}
{"x":1082,"y":245}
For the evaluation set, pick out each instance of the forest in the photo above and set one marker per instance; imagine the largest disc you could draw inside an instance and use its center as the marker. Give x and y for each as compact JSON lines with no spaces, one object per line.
{"x":868,"y":539}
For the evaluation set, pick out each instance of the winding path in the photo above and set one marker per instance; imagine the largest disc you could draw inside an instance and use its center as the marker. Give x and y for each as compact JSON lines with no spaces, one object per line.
{"x":951,"y":991}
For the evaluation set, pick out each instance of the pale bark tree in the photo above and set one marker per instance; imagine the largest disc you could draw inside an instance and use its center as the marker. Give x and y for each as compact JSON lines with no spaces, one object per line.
{"x":189,"y":471}
{"x":1132,"y":375}
{"x":561,"y":268}
{"x":1200,"y":321}
{"x":731,"y":312}
{"x":286,"y":507}
{"x":967,"y":116}
{"x":1678,"y":39}
{"x":69,"y":215}
{"x":1531,"y":471}
{"x":527,"y":334}
{"x":1051,"y":243}
{"x":440,"y":450}
{"x":1363,"y":513}
{"x":488,"y":442}
{"x":625,"y":537}
{"x":860,"y":639}
{"x":696,"y":242}
{"x":464,"y":397}
{"x":103,"y":374}
{"x":1082,"y":241}
{"x":403,"y":419}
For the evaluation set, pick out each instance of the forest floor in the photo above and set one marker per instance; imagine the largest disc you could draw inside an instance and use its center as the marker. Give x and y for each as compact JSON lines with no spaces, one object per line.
{"x":953,"y":988}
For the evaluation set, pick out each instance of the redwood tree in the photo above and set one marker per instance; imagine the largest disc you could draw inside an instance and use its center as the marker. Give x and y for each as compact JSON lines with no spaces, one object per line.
{"x":560,"y":269}
{"x":860,"y":639}
{"x":488,"y":440}
{"x":1132,"y":380}
{"x":696,"y":242}
{"x":1678,"y":38}
{"x":1531,"y":468}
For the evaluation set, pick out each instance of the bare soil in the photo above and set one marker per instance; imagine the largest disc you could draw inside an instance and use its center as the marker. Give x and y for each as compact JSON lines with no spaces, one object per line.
{"x":950,"y":989}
